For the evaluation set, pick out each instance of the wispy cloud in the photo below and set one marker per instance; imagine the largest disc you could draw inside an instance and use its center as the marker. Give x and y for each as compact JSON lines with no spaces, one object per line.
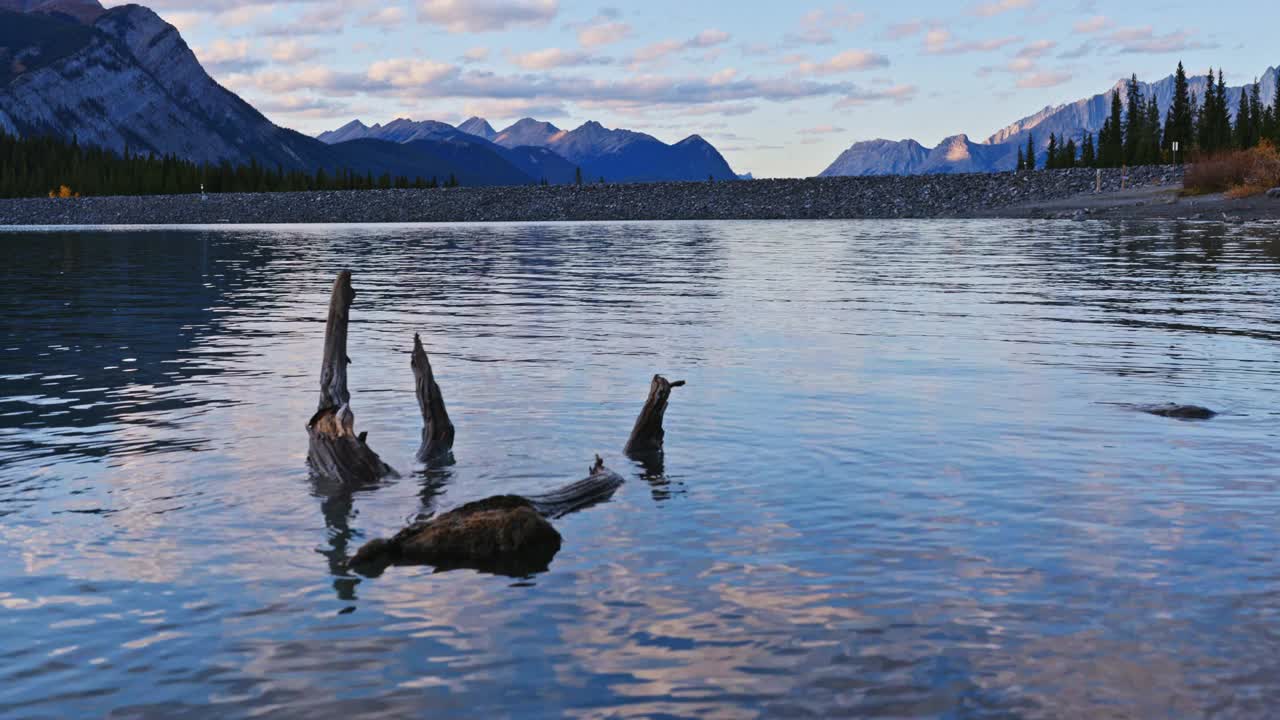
{"x":474,"y":16}
{"x":991,"y":9}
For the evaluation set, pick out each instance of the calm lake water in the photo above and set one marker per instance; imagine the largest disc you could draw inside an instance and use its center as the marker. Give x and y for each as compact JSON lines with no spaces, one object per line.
{"x":903,"y":480}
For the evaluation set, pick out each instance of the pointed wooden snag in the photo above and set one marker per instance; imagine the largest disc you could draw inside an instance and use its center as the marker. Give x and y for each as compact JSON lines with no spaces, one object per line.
{"x":437,"y":430}
{"x":505,"y":534}
{"x":336,"y":451}
{"x":646,"y":436}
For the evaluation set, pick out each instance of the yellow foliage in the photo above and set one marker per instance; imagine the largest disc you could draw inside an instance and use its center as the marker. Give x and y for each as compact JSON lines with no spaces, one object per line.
{"x":64,"y":192}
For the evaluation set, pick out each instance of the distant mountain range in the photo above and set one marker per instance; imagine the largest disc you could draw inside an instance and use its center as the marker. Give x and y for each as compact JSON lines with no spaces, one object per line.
{"x":124,"y":79}
{"x":615,"y":155}
{"x":959,"y":154}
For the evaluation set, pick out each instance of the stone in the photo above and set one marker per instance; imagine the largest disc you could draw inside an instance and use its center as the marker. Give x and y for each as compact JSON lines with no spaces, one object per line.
{"x":1180,"y":412}
{"x":1274,"y":193}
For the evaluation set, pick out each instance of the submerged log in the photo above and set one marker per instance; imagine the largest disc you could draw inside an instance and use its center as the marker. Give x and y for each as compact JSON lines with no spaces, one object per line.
{"x":437,"y":430}
{"x":505,"y":534}
{"x":336,"y":451}
{"x":1180,"y":412}
{"x":646,"y":436}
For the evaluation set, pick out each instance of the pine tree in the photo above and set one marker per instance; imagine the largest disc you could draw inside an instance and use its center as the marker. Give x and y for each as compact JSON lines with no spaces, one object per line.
{"x":1224,"y":113}
{"x":1275,"y":113}
{"x":1256,"y":114}
{"x":1207,"y":134}
{"x":1152,"y":151}
{"x":1134,"y":124}
{"x":1031,"y":151}
{"x":1111,"y":150}
{"x":1244,"y":123}
{"x":1088,"y":156}
{"x":1179,"y":128}
{"x":1068,"y":157}
{"x":1022,"y":160}
{"x":1051,"y":158}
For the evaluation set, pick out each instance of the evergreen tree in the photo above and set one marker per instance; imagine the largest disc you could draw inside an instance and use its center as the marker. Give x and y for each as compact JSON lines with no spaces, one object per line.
{"x":1275,"y":114}
{"x":1134,"y":124}
{"x":1111,"y":150}
{"x":1022,"y":160}
{"x":1195,"y":123}
{"x":1031,"y":151}
{"x":1223,"y":122}
{"x":1256,"y":114}
{"x":1067,"y":156}
{"x":1088,"y":156}
{"x":1152,"y":150}
{"x":1244,"y":123}
{"x":1178,"y":127}
{"x":1051,"y":159}
{"x":1207,"y":138}
{"x":577,"y":176}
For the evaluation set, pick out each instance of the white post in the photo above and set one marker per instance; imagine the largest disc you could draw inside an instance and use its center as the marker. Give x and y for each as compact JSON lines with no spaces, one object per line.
{"x":1097,"y":188}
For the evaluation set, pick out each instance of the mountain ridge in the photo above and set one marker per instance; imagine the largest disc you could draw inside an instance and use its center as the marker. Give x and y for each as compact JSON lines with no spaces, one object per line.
{"x":999,"y":151}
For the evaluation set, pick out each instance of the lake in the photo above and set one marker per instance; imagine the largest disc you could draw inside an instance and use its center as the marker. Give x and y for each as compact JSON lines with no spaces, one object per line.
{"x":906,"y":477}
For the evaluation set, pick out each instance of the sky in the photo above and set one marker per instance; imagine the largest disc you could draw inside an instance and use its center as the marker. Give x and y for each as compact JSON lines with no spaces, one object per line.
{"x":779,"y":88}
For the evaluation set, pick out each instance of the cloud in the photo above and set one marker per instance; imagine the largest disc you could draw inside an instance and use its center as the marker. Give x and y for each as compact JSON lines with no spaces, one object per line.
{"x":290,"y":52}
{"x":227,"y":56}
{"x":899,"y":94}
{"x":1093,"y":24}
{"x":320,"y":20}
{"x":1145,"y":40}
{"x":388,"y":17}
{"x":817,"y":26}
{"x":661,"y":50}
{"x":847,"y":61}
{"x":907,"y":29}
{"x":475,"y":55}
{"x":409,"y":72}
{"x":939,"y":41}
{"x":603,"y":33}
{"x":473,"y":16}
{"x":1043,"y":79}
{"x":999,"y":7}
{"x":1037,"y":49}
{"x":821,"y":130}
{"x":406,"y":77}
{"x":555,"y":57}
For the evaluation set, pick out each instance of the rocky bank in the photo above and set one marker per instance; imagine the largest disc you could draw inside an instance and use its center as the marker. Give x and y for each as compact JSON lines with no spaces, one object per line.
{"x":930,"y":196}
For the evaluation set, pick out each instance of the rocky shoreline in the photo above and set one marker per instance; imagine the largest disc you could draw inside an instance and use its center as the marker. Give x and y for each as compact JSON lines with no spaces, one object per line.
{"x":925,"y":196}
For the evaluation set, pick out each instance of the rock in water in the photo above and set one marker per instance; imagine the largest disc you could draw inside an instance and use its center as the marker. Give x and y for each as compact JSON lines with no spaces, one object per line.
{"x":505,"y":534}
{"x":502,"y":534}
{"x":1274,"y":193}
{"x":1181,"y":412}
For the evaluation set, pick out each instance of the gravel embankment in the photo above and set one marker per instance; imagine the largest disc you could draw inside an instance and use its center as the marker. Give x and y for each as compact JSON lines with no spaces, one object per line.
{"x":814,"y":198}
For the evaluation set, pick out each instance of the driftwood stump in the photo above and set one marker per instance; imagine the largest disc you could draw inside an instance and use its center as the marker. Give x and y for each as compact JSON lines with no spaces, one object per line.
{"x":505,"y":534}
{"x":646,"y":436}
{"x":336,"y":451}
{"x":1180,"y":412}
{"x":437,"y":430}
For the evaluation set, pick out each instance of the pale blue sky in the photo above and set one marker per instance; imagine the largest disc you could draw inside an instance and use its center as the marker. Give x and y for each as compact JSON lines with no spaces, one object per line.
{"x":780,"y":88}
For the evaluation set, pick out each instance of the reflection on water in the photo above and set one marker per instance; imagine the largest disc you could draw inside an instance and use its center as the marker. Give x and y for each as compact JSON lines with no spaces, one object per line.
{"x":902,"y":480}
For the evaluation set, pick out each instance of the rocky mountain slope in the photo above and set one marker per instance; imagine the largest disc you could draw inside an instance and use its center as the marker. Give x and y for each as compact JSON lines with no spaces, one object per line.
{"x":124,"y":78}
{"x":999,"y":152}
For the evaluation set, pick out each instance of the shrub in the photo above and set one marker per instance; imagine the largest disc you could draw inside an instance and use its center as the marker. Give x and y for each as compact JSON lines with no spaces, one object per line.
{"x":1239,"y":173}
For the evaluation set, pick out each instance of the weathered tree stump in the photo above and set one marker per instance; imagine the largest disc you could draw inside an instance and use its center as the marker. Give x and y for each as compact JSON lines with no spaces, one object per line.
{"x":437,"y":430}
{"x":336,"y":451}
{"x":505,"y":534}
{"x":647,"y":435}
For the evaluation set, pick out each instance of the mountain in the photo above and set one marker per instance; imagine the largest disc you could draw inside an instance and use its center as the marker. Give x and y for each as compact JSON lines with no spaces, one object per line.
{"x":124,"y":78}
{"x":478,"y":127}
{"x":542,"y":150}
{"x":532,"y":164}
{"x":527,"y":132}
{"x":1000,"y":151}
{"x":623,"y":155}
{"x":469,"y":164}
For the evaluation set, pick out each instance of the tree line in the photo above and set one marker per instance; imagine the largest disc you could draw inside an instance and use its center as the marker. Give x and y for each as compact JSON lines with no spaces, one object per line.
{"x":1134,"y":132}
{"x":39,"y":166}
